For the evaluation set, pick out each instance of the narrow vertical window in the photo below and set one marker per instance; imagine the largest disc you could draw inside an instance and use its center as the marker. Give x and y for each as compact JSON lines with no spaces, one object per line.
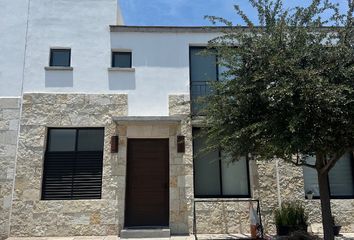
{"x":203,"y":69}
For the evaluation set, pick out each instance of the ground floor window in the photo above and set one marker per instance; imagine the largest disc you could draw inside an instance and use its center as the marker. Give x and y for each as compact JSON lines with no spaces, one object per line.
{"x":216,"y":176}
{"x":73,"y":164}
{"x":341,"y":178}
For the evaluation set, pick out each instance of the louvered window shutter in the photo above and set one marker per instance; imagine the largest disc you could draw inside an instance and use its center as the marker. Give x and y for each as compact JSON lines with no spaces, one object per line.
{"x":73,"y":164}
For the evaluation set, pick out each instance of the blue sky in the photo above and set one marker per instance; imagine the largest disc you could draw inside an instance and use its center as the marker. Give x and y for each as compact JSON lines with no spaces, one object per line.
{"x":189,"y":12}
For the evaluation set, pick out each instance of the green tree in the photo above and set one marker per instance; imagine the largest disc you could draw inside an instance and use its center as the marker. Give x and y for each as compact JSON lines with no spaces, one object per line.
{"x":289,"y":91}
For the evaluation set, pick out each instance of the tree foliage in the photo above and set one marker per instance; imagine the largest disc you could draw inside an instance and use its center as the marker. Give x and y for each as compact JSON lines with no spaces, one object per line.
{"x":288,"y":89}
{"x":290,"y":83}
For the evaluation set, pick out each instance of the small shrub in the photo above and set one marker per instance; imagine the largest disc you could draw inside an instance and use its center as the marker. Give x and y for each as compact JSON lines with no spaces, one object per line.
{"x":291,"y":214}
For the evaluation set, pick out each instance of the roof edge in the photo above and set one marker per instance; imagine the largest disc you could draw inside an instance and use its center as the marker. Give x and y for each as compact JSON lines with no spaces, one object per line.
{"x":171,"y":29}
{"x":186,"y":29}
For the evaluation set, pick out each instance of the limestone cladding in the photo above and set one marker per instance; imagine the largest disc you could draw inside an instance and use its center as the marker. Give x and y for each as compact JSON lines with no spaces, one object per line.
{"x":9,"y":121}
{"x":32,"y":216}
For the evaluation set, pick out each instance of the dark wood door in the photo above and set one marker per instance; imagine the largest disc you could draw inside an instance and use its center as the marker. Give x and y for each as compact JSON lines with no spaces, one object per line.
{"x":147,"y":191}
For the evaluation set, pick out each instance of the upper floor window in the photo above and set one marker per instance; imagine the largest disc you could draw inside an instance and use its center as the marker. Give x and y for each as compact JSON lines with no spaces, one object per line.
{"x":122,"y":59}
{"x":215,"y":175}
{"x":73,"y":164}
{"x":203,"y":69}
{"x":60,"y":57}
{"x":341,"y":178}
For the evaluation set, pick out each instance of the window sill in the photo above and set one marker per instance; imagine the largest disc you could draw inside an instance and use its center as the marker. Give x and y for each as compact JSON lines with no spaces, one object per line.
{"x":52,"y":68}
{"x":118,"y":69}
{"x":222,"y":198}
{"x":332,"y":198}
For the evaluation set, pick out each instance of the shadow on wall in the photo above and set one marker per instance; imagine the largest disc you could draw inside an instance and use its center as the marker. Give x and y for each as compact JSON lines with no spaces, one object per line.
{"x":59,"y":78}
{"x":121,"y":80}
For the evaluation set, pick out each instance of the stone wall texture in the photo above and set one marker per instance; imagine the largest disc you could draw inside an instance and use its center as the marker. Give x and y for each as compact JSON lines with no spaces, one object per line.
{"x":32,"y":216}
{"x":9,"y":121}
{"x":181,"y":169}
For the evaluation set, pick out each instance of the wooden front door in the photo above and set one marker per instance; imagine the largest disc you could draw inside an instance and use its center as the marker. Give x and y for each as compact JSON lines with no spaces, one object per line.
{"x":147,"y":191}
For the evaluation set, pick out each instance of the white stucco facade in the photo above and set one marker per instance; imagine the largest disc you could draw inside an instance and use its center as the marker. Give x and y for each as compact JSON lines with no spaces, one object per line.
{"x":32,"y":27}
{"x":160,"y":58}
{"x":13,"y":22}
{"x":160,"y":63}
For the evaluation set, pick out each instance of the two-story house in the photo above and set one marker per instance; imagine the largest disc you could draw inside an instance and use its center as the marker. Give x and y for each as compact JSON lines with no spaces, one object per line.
{"x":98,"y":132}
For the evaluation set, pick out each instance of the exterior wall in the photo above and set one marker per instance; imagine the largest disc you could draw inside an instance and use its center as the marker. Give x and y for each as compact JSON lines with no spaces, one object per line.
{"x":220,"y":218}
{"x":161,"y":62}
{"x":33,"y":26}
{"x":9,"y":121}
{"x":12,"y":38}
{"x":32,"y":216}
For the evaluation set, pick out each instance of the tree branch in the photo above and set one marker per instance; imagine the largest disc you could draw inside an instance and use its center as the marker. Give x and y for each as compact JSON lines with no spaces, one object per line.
{"x":302,"y":163}
{"x":329,"y":164}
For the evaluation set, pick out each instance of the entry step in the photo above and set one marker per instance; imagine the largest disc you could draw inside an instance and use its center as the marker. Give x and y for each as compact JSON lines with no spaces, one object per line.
{"x":158,"y":233}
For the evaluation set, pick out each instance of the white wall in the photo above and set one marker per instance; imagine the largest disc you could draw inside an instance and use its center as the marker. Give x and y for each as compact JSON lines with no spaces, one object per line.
{"x":160,"y":59}
{"x":83,"y":26}
{"x":162,"y":67}
{"x":13,"y":19}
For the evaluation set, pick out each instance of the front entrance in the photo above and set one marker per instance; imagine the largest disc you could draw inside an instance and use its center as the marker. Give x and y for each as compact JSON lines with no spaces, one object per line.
{"x":147,"y":191}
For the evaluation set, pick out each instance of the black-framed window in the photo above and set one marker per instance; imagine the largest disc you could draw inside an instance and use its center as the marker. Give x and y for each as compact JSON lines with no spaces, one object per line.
{"x":216,"y":176}
{"x":60,"y":57}
{"x":73,"y":164}
{"x":203,"y":69}
{"x":122,"y":59}
{"x":340,"y":177}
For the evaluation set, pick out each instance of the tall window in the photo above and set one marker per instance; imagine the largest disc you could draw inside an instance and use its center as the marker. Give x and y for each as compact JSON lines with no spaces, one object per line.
{"x":60,"y":57}
{"x":341,"y":180}
{"x":203,"y":69}
{"x":73,"y":164}
{"x":214,"y":176}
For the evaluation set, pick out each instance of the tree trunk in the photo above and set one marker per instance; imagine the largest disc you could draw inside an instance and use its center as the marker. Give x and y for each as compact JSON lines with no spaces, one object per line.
{"x":327,"y":221}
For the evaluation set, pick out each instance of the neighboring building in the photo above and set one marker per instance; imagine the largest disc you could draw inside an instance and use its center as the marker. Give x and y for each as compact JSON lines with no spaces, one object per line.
{"x":98,"y":133}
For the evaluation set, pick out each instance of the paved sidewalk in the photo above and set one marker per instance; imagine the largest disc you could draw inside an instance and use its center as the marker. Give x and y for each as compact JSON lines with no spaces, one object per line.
{"x":345,"y":236}
{"x":98,"y":238}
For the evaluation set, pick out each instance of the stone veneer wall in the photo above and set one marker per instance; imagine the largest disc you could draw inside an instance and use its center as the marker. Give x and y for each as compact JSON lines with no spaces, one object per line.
{"x":181,"y":170}
{"x":9,"y":121}
{"x":32,"y":216}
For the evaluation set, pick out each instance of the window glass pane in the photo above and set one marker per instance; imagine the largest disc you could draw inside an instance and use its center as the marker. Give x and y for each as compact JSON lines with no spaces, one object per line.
{"x":310,"y":177}
{"x":90,"y":140}
{"x":62,"y":140}
{"x":341,"y":177}
{"x":206,"y":168}
{"x":60,"y":57}
{"x":234,"y":177}
{"x":203,"y":67}
{"x":121,"y":59}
